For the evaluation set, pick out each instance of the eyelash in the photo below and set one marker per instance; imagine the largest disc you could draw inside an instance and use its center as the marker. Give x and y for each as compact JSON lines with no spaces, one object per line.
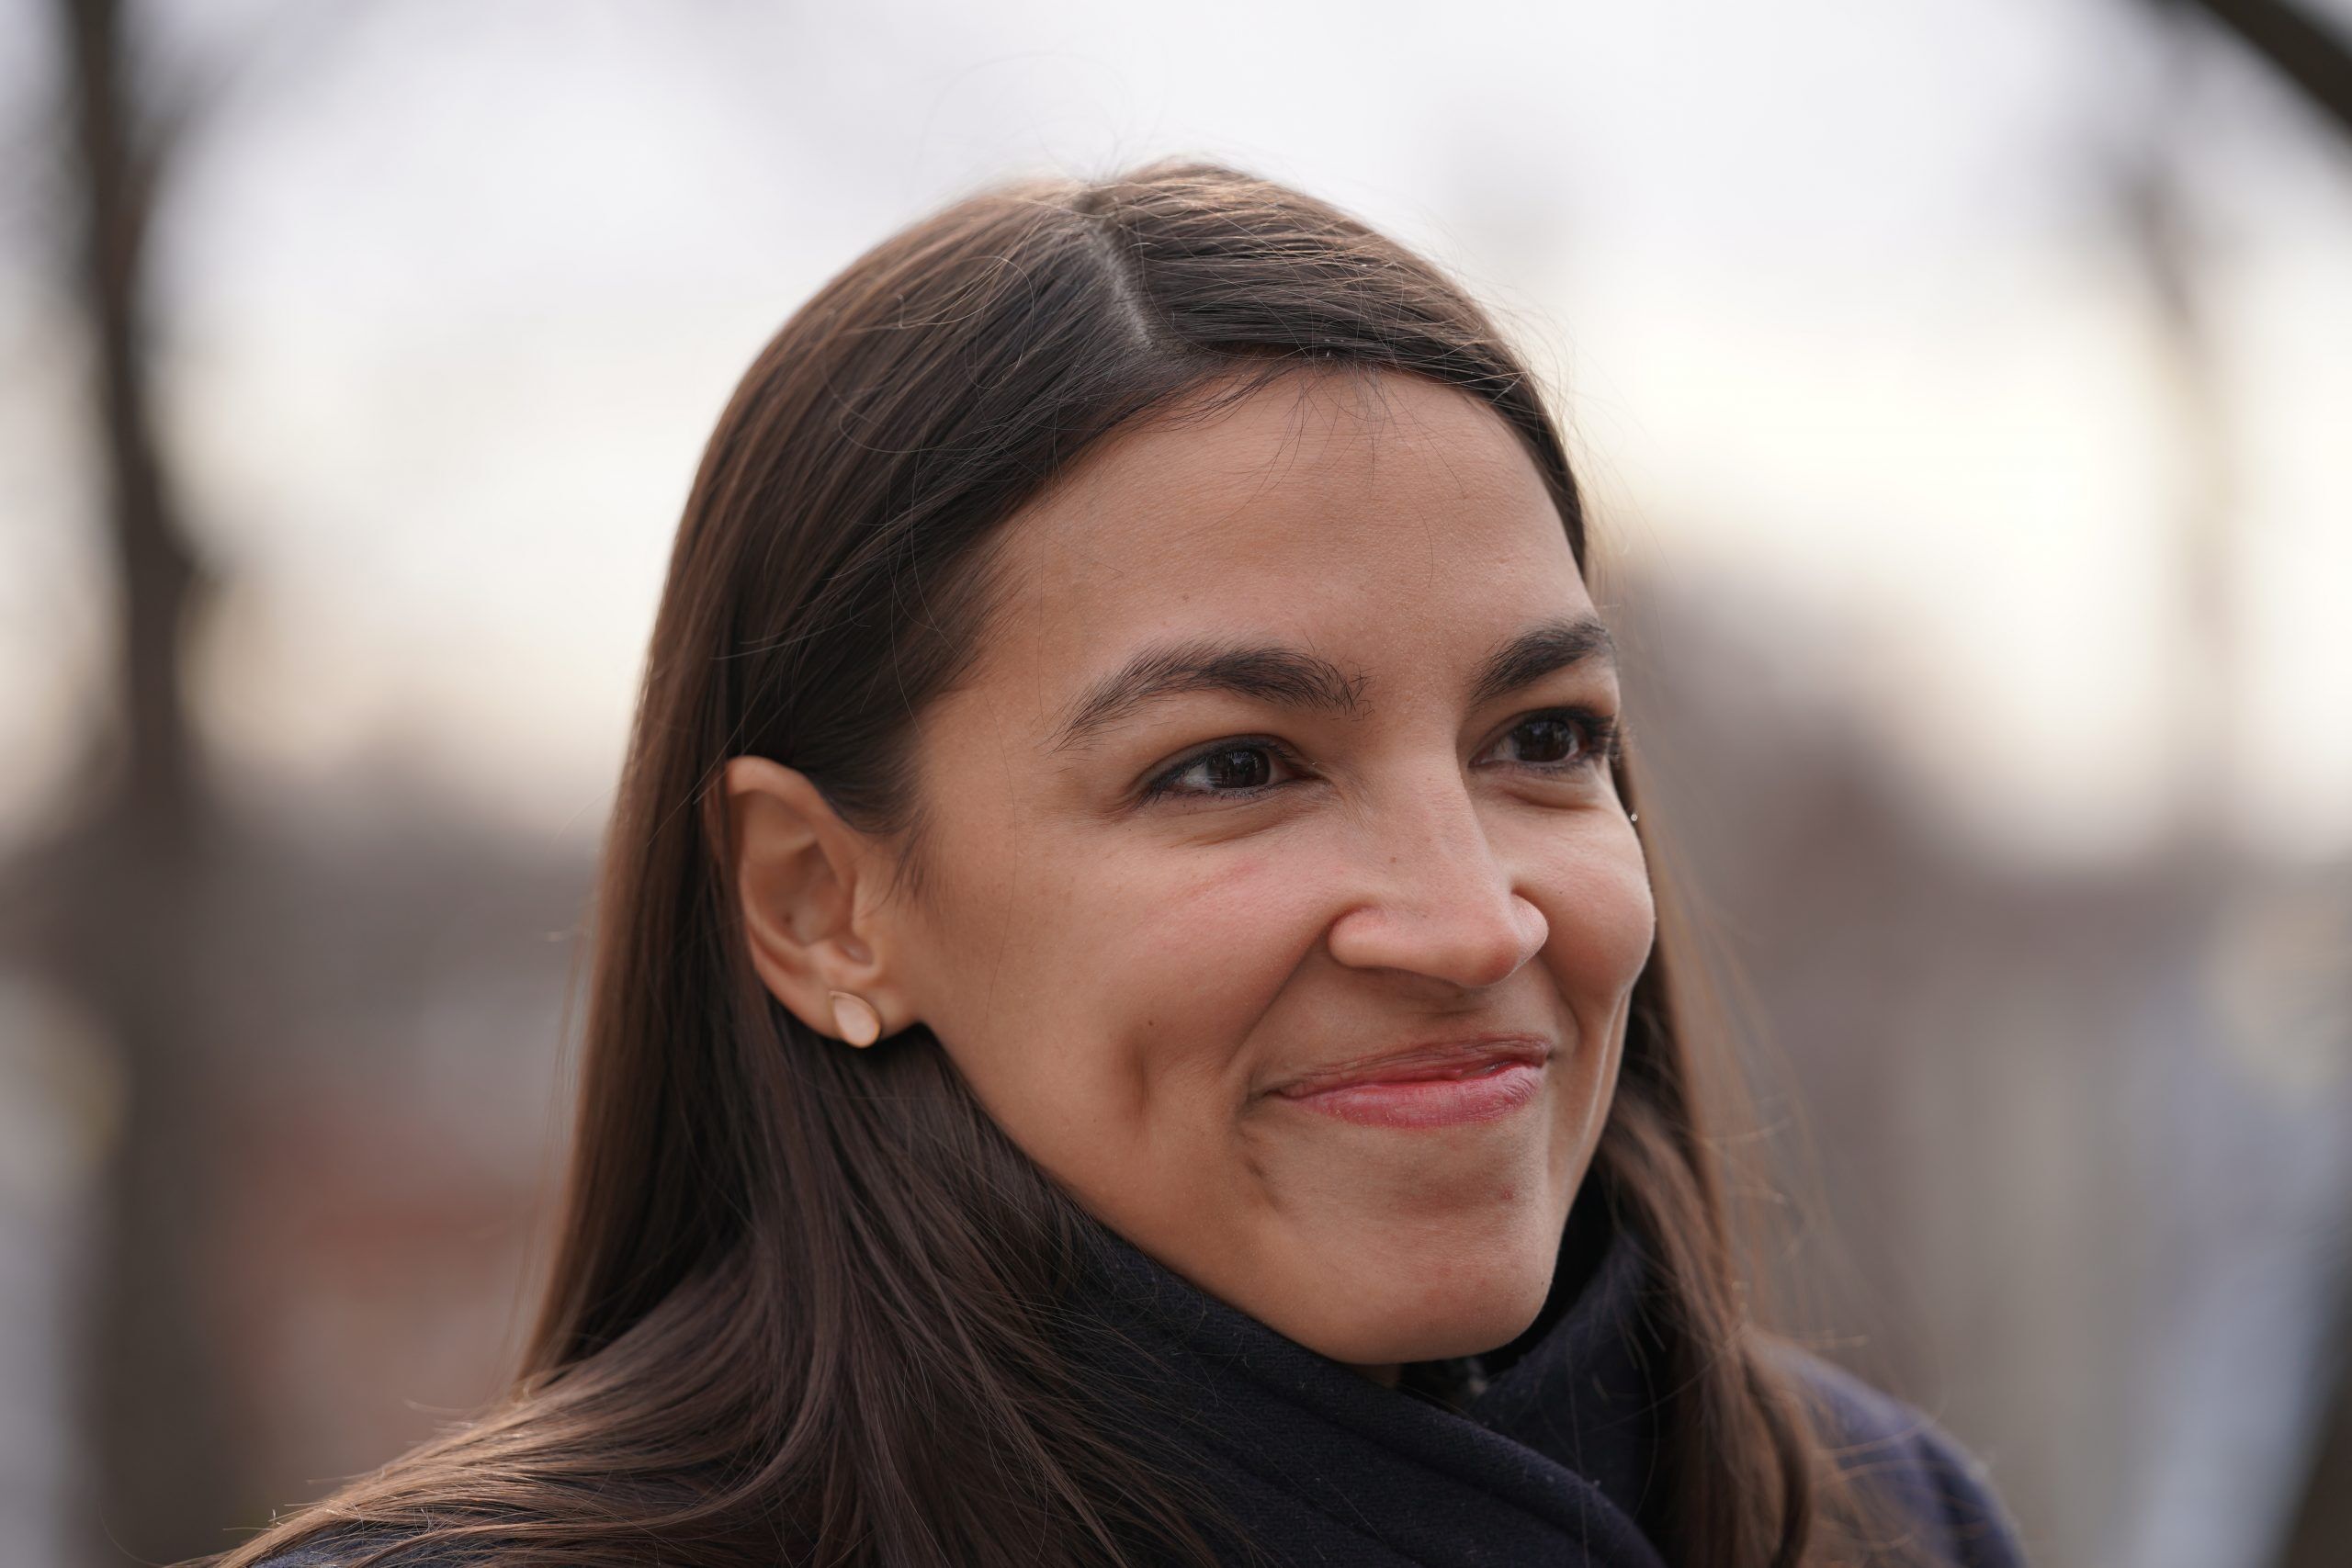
{"x":1602,"y":740}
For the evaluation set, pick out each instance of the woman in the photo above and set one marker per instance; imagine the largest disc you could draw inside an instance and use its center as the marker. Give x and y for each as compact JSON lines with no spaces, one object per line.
{"x":1129,"y":1019}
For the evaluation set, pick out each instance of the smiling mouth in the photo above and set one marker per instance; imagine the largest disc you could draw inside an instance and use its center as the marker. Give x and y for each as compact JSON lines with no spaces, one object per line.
{"x":1429,"y":1059}
{"x":1481,"y":1094}
{"x":1435,"y":1086}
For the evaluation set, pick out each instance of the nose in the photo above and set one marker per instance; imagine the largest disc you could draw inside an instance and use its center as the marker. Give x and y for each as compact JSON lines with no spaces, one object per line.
{"x":1440,"y":903}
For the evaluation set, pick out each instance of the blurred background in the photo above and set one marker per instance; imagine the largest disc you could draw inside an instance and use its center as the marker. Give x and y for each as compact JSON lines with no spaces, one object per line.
{"x":1964,"y":388}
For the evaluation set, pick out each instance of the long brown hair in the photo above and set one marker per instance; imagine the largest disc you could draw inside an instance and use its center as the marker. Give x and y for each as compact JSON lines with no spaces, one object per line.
{"x":798,"y":1308}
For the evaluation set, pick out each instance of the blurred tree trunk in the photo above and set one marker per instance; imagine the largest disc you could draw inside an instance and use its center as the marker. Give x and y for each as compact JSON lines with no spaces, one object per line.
{"x":2313,"y":59}
{"x":2321,"y":1533}
{"x":129,"y":875}
{"x":2317,"y":63}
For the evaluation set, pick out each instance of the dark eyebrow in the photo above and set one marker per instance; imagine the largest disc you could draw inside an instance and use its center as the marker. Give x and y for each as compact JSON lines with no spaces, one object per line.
{"x":1286,"y":677}
{"x":1534,"y":653}
{"x":1292,"y":678}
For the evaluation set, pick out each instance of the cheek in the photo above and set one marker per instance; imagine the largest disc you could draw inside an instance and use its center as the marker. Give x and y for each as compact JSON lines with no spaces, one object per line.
{"x":1115,"y":999}
{"x":1596,"y":898}
{"x":1175,"y":968}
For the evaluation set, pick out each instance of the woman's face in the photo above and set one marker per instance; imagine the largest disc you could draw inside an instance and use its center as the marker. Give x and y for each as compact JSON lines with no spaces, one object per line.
{"x":1285,"y":754}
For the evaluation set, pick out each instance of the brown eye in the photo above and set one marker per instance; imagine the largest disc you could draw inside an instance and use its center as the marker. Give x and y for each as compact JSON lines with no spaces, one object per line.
{"x":1234,"y":769}
{"x":1555,"y":738}
{"x":1563,"y":740}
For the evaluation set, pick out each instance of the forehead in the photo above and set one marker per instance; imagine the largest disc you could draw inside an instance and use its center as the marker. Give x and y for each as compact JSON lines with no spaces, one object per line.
{"x":1379,"y":515}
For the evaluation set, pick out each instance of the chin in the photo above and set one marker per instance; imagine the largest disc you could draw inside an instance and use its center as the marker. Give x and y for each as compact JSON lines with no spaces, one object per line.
{"x":1426,"y":1314}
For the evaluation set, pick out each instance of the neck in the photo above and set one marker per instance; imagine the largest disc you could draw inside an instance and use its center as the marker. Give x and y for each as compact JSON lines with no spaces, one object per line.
{"x":1385,"y":1374}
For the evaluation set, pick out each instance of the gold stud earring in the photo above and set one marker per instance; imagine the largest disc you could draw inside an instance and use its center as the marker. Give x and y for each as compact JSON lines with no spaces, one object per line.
{"x":855,"y":1018}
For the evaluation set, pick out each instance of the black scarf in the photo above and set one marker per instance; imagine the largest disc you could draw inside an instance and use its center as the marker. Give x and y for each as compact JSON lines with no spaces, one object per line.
{"x":1539,"y":1453}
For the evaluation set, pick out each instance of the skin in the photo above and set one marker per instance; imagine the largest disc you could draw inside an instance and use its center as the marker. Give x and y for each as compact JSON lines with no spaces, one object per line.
{"x":1122,"y":981}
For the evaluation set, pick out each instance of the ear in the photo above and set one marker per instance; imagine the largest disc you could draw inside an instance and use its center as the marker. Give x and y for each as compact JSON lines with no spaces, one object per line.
{"x":799,"y":872}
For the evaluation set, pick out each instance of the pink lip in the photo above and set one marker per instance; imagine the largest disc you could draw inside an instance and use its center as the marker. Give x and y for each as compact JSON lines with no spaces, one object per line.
{"x":1429,"y":1086}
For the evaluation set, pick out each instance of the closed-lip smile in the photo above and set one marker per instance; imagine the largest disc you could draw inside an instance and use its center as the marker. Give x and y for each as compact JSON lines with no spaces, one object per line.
{"x":1431,"y":1059}
{"x":1435,"y":1083}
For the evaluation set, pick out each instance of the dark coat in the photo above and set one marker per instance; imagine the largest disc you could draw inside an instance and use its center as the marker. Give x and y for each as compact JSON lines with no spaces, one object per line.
{"x":1538,"y":1453}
